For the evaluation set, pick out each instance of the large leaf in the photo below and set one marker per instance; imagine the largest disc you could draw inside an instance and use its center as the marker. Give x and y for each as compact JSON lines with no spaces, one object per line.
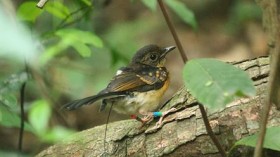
{"x":215,"y":83}
{"x":27,"y":11}
{"x":271,"y":141}
{"x":39,"y":116}
{"x":183,"y":12}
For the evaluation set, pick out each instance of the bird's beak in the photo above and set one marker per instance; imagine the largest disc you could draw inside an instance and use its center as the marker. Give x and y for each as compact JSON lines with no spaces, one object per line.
{"x":166,"y":50}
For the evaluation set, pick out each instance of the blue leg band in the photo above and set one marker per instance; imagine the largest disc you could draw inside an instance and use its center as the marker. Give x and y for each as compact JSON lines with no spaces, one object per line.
{"x":157,"y":114}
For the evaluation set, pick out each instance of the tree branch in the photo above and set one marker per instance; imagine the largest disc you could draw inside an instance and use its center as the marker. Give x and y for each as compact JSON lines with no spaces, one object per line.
{"x":182,"y":133}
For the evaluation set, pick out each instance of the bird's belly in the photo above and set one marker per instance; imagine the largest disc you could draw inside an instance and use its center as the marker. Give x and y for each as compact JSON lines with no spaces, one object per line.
{"x":140,"y":102}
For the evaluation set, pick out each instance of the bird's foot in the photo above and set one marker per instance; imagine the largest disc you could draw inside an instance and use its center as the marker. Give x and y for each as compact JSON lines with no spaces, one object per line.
{"x":145,"y":120}
{"x":163,"y":114}
{"x":148,"y":117}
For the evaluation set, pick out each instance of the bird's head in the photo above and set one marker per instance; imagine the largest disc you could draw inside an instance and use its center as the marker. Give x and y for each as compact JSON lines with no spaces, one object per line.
{"x":152,"y":55}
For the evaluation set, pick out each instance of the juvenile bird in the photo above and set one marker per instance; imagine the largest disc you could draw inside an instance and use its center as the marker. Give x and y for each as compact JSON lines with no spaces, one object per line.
{"x":137,"y":88}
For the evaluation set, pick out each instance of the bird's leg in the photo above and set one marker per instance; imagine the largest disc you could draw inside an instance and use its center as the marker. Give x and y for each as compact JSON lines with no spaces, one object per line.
{"x":148,"y":117}
{"x":162,"y":115}
{"x":133,"y":116}
{"x":144,"y":120}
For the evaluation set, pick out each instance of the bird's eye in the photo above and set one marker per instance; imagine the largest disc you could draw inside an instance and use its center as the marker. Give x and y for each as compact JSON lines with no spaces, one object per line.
{"x":153,"y":57}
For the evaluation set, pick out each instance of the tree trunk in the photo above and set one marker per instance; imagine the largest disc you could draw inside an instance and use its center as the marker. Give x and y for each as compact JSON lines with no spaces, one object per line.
{"x":183,"y":132}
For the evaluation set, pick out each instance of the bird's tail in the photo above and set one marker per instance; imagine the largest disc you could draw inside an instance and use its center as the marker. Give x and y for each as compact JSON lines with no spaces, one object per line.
{"x":91,"y":99}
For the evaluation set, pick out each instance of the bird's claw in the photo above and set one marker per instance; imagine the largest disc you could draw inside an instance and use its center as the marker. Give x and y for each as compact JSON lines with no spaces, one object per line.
{"x":159,"y":122}
{"x":146,"y":119}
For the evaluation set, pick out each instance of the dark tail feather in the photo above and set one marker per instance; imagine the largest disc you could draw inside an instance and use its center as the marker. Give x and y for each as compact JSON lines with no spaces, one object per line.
{"x":89,"y":100}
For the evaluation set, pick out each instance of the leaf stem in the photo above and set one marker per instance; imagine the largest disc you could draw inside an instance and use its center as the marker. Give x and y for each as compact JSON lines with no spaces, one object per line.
{"x":173,"y":32}
{"x":22,"y":90}
{"x":210,"y":131}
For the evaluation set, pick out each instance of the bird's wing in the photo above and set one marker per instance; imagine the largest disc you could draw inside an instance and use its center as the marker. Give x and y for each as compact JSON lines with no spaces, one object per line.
{"x":143,"y":79}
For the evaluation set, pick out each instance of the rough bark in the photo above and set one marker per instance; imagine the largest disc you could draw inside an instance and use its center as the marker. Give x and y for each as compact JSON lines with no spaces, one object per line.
{"x":183,"y":132}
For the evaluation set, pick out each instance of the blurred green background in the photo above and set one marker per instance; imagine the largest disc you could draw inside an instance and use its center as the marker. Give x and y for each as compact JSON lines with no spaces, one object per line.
{"x":73,"y":48}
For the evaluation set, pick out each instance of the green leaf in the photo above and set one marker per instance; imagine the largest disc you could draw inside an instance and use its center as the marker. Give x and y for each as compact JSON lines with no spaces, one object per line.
{"x":28,"y":11}
{"x":51,"y":52}
{"x":9,"y":99}
{"x":73,"y":35}
{"x":57,"y":9}
{"x":87,"y":2}
{"x":39,"y":116}
{"x":13,"y":82}
{"x":11,"y":119}
{"x":151,"y":4}
{"x":183,"y":12}
{"x":271,"y":141}
{"x":79,"y":40}
{"x":215,"y":83}
{"x":83,"y":49}
{"x":56,"y":134}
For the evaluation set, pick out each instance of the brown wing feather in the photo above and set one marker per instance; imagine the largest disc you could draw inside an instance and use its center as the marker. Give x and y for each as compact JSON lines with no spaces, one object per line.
{"x":124,"y":82}
{"x":147,"y":79}
{"x":128,"y":81}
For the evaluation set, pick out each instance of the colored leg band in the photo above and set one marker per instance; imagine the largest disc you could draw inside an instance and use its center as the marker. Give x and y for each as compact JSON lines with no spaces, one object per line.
{"x":157,"y":114}
{"x":135,"y":117}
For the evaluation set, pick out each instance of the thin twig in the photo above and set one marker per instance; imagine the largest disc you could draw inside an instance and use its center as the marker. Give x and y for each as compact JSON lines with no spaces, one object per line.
{"x":22,"y":96}
{"x":265,"y":114}
{"x":173,"y":32}
{"x":185,"y":59}
{"x":271,"y":16}
{"x":210,"y":131}
{"x":105,"y":133}
{"x":22,"y":90}
{"x":41,"y":3}
{"x":62,"y":23}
